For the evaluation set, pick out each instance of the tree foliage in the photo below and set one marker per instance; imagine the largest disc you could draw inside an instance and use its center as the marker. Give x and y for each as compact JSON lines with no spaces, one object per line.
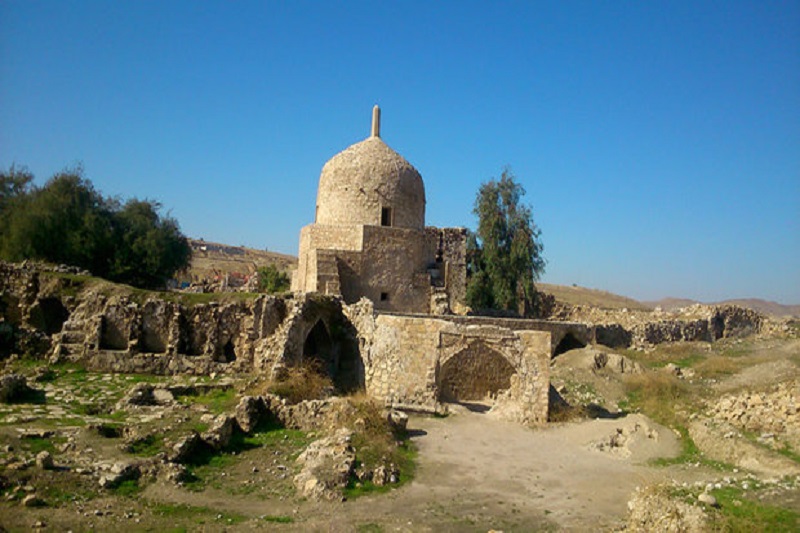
{"x":504,"y":255}
{"x":68,"y":221}
{"x":271,"y":280}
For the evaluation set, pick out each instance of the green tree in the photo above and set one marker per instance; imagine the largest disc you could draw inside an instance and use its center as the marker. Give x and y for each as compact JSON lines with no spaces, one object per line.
{"x":504,"y":256}
{"x":271,"y":280}
{"x":68,"y":221}
{"x":150,"y":248}
{"x":14,"y":183}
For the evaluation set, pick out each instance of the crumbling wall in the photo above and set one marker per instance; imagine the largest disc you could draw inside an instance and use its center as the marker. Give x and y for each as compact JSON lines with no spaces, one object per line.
{"x":284,"y":348}
{"x":447,"y":248}
{"x":477,"y":372}
{"x":417,"y":362}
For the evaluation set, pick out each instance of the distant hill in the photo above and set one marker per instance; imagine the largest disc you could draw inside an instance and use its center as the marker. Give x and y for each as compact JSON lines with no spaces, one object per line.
{"x":762,"y":306}
{"x":575,"y":295}
{"x":212,"y":259}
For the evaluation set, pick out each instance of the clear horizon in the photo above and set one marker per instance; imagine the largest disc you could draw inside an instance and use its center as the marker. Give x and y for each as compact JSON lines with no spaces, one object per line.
{"x":659,"y":143}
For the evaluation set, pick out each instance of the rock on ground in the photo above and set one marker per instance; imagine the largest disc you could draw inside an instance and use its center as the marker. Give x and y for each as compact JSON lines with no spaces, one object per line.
{"x":13,"y":387}
{"x":327,"y":464}
{"x":653,"y":510}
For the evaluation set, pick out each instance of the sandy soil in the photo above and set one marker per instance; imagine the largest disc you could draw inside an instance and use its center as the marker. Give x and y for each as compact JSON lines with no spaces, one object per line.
{"x":478,"y":473}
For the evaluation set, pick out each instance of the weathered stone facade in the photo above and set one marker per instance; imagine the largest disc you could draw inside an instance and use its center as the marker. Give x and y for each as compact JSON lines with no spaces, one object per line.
{"x":421,"y":362}
{"x":369,"y":237}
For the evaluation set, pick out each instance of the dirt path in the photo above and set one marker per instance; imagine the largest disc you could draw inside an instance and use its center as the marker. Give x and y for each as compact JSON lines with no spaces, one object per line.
{"x":479,"y":473}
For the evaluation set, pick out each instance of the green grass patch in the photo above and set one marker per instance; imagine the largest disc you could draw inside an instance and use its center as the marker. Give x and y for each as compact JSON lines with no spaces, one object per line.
{"x":117,"y":416}
{"x":192,"y":299}
{"x":147,"y":446}
{"x":90,"y":409}
{"x":70,"y":284}
{"x":404,"y":457}
{"x":656,"y":394}
{"x":684,"y":355}
{"x":278,"y":519}
{"x":206,"y":464}
{"x":142,"y":378}
{"x":377,"y":445}
{"x":690,"y":454}
{"x":56,"y":495}
{"x":42,"y":444}
{"x":739,"y":513}
{"x":217,"y":401}
{"x":789,"y":453}
{"x":128,"y":488}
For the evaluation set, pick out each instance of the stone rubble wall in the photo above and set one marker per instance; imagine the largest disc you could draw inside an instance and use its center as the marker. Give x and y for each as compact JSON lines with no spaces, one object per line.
{"x":771,"y":414}
{"x":447,"y":248}
{"x":396,"y":359}
{"x":404,"y":356}
{"x":622,"y":328}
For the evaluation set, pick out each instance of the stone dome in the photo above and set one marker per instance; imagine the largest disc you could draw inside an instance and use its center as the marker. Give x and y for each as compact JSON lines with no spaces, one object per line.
{"x":371,"y":184}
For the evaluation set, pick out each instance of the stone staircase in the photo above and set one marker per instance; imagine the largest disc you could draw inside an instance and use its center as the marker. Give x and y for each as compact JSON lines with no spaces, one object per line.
{"x":440,"y":302}
{"x":328,"y":273}
{"x":71,"y":341}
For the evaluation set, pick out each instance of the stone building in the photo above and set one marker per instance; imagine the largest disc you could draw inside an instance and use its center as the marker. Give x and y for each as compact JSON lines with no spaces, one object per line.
{"x":369,"y":237}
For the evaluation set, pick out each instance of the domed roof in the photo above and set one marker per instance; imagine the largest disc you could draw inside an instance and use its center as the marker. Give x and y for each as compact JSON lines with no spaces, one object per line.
{"x":371,"y":184}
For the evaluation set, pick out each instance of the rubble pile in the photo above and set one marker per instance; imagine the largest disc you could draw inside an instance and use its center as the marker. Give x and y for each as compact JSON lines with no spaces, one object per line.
{"x":769,"y":414}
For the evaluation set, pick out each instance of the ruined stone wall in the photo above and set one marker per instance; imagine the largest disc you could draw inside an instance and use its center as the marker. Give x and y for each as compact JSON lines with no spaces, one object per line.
{"x":392,"y":259}
{"x":315,"y":237}
{"x":119,"y":334}
{"x":448,"y":249}
{"x":583,"y":333}
{"x":622,"y":328}
{"x":409,"y":361}
{"x":417,"y":362}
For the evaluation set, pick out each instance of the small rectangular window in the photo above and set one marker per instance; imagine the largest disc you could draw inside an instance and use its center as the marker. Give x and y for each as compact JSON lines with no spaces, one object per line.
{"x":386,"y":216}
{"x":384,"y":296}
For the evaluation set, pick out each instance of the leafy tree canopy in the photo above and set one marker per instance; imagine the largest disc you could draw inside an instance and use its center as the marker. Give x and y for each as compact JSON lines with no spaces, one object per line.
{"x":68,"y":221}
{"x":504,"y":255}
{"x":271,"y":280}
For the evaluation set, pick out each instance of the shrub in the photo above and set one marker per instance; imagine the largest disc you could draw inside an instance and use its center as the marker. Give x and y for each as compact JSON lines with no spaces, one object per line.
{"x":306,"y":381}
{"x":271,"y":280}
{"x":68,"y":221}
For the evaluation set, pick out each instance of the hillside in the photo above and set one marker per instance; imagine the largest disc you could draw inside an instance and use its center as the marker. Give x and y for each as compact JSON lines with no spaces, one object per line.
{"x":211,"y":259}
{"x":575,"y":295}
{"x":762,"y":306}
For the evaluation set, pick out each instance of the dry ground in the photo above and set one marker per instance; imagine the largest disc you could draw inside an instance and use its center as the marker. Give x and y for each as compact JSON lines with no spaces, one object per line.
{"x":474,"y":472}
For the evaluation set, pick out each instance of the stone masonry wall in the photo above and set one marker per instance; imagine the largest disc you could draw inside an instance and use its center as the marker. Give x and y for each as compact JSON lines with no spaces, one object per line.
{"x":407,"y":361}
{"x":448,"y":247}
{"x":404,"y":357}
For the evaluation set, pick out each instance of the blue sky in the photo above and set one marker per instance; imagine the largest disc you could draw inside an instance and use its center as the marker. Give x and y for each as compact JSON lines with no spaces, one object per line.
{"x":658,"y":142}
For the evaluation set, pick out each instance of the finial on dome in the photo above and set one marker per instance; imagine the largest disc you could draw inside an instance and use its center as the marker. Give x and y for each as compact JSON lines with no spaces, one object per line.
{"x":376,"y":121}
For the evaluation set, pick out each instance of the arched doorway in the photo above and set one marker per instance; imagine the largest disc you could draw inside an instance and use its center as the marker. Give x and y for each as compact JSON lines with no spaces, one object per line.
{"x":318,"y":349}
{"x":48,"y":315}
{"x":567,"y":343}
{"x":334,"y":357}
{"x":474,"y":373}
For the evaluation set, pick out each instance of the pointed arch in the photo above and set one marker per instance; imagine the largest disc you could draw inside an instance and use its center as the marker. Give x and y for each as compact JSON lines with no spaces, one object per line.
{"x":474,"y":373}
